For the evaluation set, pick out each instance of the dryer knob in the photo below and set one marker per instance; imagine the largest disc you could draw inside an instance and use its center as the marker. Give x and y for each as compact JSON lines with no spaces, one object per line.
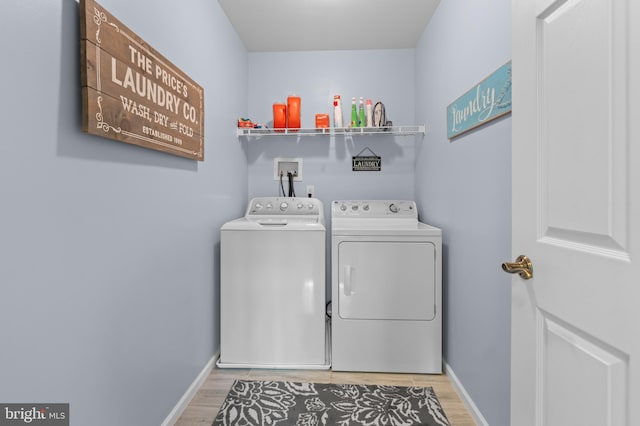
{"x":393,"y":208}
{"x":300,"y":206}
{"x":269,"y":206}
{"x":284,"y":205}
{"x":365,"y":207}
{"x":310,"y":206}
{"x":343,"y":207}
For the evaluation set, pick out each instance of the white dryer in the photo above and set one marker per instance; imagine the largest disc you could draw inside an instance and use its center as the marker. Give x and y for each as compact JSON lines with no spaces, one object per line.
{"x":386,"y":288}
{"x":272,"y":286}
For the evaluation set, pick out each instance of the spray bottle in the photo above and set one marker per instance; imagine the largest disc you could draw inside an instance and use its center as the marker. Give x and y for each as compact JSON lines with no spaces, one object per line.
{"x":354,"y":113}
{"x":361,"y":119}
{"x":337,"y":112}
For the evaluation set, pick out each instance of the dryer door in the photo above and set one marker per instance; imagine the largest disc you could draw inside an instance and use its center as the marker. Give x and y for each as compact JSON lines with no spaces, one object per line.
{"x":387,"y":280}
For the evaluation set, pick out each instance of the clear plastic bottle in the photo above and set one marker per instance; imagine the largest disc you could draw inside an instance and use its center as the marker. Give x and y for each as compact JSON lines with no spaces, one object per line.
{"x":361,"y":119}
{"x":354,"y":113}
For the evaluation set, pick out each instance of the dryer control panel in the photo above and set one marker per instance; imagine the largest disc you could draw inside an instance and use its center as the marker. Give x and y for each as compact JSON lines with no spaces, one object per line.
{"x":374,"y":209}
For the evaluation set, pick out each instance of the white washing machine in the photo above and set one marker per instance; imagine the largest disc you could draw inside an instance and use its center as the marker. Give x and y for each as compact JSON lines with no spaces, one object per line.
{"x":386,"y":288}
{"x":272,"y":286}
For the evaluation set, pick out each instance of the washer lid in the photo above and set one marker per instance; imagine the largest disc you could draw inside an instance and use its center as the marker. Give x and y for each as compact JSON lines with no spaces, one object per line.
{"x":264,"y":223}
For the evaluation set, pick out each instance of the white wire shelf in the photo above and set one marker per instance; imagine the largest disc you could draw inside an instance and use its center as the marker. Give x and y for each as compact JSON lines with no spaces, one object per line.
{"x":332,"y":131}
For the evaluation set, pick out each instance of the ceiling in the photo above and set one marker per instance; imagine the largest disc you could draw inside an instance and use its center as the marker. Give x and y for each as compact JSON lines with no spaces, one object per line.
{"x":290,"y":25}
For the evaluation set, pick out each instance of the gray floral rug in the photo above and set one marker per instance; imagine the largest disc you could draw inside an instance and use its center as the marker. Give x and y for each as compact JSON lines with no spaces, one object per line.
{"x":261,"y":403}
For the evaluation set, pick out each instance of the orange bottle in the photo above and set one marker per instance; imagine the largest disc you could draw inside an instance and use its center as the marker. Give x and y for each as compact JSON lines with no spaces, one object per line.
{"x":279,"y":116}
{"x":322,"y":121}
{"x":293,"y":112}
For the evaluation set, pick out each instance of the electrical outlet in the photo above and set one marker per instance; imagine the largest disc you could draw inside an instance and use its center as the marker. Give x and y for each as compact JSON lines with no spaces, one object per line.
{"x":311,"y":191}
{"x":284,"y":166}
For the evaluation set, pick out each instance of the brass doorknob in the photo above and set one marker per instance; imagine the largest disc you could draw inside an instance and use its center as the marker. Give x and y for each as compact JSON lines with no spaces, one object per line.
{"x":521,"y":266}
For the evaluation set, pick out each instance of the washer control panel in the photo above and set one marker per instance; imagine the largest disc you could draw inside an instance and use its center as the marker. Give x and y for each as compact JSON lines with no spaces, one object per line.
{"x":374,"y":209}
{"x":284,"y":206}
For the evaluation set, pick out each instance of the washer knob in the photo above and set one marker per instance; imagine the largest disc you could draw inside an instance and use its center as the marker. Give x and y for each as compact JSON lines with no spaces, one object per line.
{"x":258,"y":206}
{"x":269,"y":206}
{"x":300,"y":205}
{"x":343,"y":207}
{"x":393,"y":208}
{"x":354,"y":207}
{"x":310,"y":206}
{"x":284,"y":205}
{"x":365,"y":207}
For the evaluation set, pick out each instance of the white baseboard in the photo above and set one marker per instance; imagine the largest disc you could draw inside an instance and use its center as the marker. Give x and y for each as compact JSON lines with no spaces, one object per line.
{"x":471,"y":406}
{"x":174,"y":415}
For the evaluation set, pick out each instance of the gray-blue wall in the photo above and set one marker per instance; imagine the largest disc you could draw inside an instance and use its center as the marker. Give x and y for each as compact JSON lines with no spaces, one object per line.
{"x":464,"y":187}
{"x":385,"y":75}
{"x":108,"y":251}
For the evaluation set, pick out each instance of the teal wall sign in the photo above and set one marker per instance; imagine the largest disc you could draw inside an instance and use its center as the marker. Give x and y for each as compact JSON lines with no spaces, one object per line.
{"x":488,"y":100}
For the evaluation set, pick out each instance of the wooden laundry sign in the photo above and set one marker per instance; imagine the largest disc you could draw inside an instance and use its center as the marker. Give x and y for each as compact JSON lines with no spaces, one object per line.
{"x":133,"y":94}
{"x":486,"y":101}
{"x":366,"y":163}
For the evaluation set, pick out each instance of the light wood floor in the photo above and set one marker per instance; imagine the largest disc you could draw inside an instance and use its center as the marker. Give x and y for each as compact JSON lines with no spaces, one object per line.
{"x":205,"y":404}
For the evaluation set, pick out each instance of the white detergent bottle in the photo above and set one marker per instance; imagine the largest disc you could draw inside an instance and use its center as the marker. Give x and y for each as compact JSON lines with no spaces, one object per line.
{"x":369,"y":113}
{"x":337,"y":112}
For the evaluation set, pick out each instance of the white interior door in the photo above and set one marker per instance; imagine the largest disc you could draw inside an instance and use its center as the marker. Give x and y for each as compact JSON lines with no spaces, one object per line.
{"x":576,"y":212}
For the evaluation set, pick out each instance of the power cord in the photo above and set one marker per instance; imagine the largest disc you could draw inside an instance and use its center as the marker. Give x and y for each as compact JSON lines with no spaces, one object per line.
{"x":281,"y":183}
{"x":292,"y":191}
